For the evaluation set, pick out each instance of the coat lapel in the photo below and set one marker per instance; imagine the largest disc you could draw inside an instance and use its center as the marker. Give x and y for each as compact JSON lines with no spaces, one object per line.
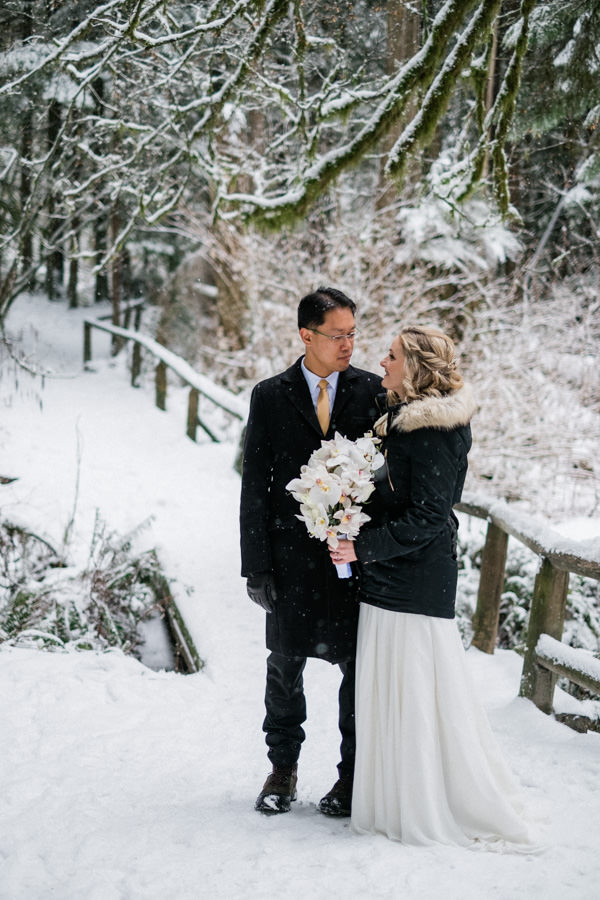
{"x":296,"y":390}
{"x":344,"y":392}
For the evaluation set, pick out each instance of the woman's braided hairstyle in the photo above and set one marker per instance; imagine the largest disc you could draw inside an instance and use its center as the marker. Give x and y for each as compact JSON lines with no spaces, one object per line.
{"x":430,"y":363}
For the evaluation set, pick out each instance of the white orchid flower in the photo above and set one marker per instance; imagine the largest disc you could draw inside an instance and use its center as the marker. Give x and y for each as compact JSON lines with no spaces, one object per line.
{"x":316,"y":519}
{"x":332,"y":537}
{"x":327,"y":491}
{"x":309,"y":476}
{"x":351,"y":519}
{"x":361,"y":492}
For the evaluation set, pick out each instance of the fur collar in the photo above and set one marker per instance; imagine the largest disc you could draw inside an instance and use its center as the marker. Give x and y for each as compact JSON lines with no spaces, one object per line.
{"x":444,"y":413}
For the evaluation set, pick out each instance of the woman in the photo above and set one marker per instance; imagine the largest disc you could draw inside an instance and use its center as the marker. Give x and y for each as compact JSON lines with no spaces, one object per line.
{"x":428,"y":769}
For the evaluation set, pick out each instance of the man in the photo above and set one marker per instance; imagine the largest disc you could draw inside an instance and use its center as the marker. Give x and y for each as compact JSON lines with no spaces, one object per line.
{"x":311,"y":612}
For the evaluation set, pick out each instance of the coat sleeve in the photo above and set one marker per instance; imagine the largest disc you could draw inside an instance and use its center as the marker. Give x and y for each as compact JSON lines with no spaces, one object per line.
{"x":433,"y":472}
{"x":257,"y":468}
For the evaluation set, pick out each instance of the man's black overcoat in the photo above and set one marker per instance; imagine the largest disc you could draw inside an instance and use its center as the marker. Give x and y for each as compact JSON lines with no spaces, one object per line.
{"x":316,"y":612}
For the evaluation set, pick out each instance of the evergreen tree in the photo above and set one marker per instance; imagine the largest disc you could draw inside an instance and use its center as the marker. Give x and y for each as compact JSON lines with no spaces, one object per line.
{"x":556,"y":137}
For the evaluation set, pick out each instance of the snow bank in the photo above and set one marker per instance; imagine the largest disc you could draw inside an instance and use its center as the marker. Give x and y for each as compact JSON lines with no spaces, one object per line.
{"x":119,"y":783}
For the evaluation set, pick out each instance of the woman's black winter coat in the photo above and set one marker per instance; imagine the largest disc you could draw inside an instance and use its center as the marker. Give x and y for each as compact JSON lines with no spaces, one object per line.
{"x":408,"y":550}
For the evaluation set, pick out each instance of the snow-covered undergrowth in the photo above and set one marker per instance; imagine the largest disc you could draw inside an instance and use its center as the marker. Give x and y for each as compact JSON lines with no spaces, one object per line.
{"x":48,"y":603}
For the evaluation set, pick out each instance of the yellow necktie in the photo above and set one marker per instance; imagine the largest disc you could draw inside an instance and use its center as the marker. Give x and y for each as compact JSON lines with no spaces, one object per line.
{"x":323,"y":406}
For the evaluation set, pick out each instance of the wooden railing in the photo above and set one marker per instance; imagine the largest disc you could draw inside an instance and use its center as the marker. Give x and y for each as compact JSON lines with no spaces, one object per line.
{"x":133,"y":308}
{"x":198,"y":384}
{"x":187,"y":658}
{"x":186,"y":653}
{"x":545,"y":656}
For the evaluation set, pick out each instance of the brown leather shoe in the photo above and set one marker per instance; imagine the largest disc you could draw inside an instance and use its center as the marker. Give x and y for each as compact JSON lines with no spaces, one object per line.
{"x":338,"y":802}
{"x":278,"y":791}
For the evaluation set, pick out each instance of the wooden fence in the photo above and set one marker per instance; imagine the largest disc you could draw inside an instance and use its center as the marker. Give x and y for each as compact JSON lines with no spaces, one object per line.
{"x":186,"y":653}
{"x":546,"y":657}
{"x":198,"y":384}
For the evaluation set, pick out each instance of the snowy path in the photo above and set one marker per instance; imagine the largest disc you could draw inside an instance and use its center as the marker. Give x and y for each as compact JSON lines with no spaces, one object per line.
{"x":119,"y":783}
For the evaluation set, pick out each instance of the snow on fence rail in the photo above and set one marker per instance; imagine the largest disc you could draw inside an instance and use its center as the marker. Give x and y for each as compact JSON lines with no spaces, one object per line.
{"x":559,"y":557}
{"x":580,"y":666}
{"x":198,"y":384}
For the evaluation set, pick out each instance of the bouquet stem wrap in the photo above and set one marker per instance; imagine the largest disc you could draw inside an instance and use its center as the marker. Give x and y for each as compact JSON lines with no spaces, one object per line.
{"x":344,"y":570}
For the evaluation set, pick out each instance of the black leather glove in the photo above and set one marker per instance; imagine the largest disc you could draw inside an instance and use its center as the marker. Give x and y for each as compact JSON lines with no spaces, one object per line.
{"x":261,"y":589}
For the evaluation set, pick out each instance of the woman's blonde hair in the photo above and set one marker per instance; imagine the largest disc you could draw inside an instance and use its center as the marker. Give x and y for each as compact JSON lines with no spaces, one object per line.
{"x":430,"y":367}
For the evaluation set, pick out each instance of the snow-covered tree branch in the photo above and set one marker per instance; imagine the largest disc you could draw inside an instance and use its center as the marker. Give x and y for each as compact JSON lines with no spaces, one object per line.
{"x":250,"y":109}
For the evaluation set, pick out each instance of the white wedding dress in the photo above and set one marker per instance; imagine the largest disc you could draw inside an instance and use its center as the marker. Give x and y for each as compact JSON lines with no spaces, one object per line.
{"x":428,"y":769}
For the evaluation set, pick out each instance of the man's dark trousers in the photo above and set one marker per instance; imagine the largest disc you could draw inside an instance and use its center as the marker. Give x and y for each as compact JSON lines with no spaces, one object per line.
{"x":286,"y":712}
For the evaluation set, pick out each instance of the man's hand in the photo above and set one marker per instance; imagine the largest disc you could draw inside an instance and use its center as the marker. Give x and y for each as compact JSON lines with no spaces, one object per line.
{"x":261,"y":589}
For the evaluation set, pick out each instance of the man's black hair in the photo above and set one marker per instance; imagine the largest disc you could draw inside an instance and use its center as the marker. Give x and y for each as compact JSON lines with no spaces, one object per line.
{"x":313,"y":307}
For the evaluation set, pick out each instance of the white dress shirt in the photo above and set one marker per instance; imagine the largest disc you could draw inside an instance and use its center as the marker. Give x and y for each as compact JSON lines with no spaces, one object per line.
{"x":313,"y":385}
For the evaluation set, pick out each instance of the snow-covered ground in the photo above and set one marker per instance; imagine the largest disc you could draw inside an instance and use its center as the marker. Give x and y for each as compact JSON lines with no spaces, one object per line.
{"x":122,"y":783}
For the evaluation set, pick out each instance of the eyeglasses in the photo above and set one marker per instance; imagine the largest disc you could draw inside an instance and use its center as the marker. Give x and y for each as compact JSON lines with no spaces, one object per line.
{"x":336,"y":338}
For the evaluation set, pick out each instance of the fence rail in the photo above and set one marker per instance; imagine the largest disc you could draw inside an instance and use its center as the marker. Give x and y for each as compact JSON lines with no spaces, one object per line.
{"x":542,"y":664}
{"x":198,"y":384}
{"x":578,"y":666}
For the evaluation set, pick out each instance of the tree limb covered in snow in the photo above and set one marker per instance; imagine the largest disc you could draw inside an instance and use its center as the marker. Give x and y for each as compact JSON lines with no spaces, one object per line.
{"x":253,"y":108}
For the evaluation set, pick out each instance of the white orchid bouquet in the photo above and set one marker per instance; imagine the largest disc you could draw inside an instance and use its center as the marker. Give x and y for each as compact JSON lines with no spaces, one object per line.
{"x":332,"y":487}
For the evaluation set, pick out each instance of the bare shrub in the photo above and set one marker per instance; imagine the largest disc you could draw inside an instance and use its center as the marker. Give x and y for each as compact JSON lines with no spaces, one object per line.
{"x":532,"y":362}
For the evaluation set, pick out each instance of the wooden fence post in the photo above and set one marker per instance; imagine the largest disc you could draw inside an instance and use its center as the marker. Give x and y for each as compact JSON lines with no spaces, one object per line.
{"x":192,"y":415}
{"x":491,"y":582}
{"x":161,"y":385}
{"x":547,"y":616}
{"x":136,"y":363}
{"x":87,"y":343}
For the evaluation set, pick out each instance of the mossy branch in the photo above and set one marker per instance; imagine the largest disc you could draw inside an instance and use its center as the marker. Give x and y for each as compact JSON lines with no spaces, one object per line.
{"x":418,"y":71}
{"x":499,"y":119}
{"x":422,"y":127}
{"x":300,"y":56}
{"x":506,"y":102}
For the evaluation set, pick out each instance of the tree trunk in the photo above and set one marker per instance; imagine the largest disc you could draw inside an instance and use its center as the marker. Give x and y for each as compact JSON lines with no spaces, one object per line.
{"x":73,"y":285}
{"x":403,"y":41}
{"x":115,"y":269}
{"x":232,"y":301}
{"x":101,"y":286}
{"x":101,"y":224}
{"x":26,"y":244}
{"x":54,"y":255}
